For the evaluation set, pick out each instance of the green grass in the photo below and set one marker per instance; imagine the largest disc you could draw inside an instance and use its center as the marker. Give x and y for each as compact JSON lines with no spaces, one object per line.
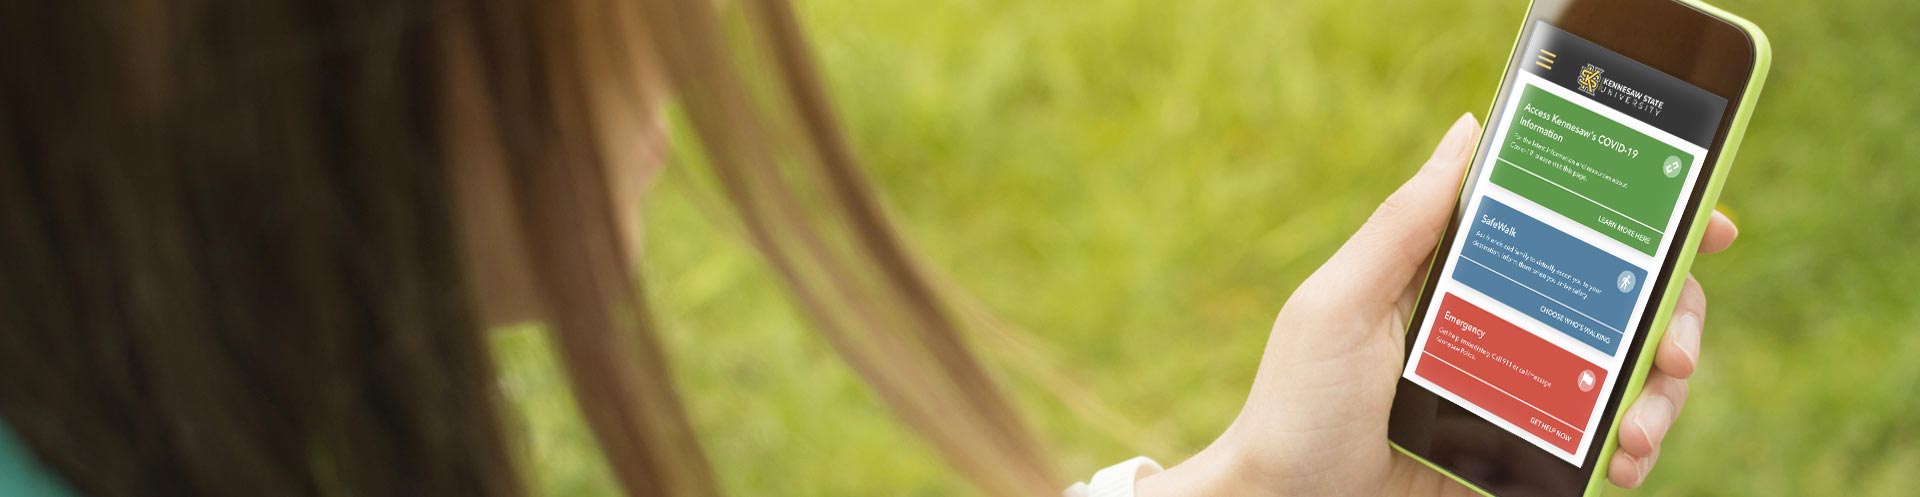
{"x":1140,"y":184}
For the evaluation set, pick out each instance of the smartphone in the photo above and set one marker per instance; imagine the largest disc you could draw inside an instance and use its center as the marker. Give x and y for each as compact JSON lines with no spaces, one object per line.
{"x":1603,"y":156}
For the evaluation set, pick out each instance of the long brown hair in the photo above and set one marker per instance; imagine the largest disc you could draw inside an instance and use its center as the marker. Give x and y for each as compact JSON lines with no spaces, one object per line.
{"x":231,"y":264}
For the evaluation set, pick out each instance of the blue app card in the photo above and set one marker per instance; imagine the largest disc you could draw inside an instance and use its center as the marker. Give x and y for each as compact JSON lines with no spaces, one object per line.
{"x":1576,"y":288}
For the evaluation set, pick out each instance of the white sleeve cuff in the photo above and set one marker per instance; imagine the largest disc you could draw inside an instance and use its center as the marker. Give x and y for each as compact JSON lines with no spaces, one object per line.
{"x":1115,"y":481}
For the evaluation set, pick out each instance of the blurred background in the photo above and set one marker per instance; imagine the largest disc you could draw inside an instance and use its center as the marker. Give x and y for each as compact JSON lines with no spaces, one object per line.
{"x":1136,"y":186}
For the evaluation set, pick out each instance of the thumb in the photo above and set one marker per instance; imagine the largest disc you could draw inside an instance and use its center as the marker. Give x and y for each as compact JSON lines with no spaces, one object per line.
{"x":1397,"y":240}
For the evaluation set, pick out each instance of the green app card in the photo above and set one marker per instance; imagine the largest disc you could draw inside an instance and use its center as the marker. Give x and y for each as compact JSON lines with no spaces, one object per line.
{"x":1600,"y":173}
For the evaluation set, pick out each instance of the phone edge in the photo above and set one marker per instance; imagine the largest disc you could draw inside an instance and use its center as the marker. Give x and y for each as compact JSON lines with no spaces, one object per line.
{"x":1433,"y":259}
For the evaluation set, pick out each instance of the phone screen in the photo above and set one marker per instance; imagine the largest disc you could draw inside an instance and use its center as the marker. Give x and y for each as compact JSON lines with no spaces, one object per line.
{"x":1568,"y":217}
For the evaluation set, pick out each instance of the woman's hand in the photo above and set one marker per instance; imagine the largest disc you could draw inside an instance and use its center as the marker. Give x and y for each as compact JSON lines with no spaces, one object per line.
{"x":1316,"y":420}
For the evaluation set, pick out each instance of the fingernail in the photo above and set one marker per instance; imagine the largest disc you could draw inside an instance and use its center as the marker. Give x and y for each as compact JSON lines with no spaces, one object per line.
{"x":1646,"y":435}
{"x":1458,"y":141}
{"x":1686,"y":336}
{"x":1646,"y":467}
{"x":1468,"y":125}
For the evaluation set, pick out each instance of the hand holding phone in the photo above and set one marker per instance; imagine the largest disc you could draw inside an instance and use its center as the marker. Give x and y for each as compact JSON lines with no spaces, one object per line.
{"x":1568,"y":252}
{"x":1317,"y":414}
{"x":1520,"y":303}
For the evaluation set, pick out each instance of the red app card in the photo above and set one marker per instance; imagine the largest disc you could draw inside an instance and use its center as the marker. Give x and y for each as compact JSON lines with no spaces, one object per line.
{"x":1511,"y":373}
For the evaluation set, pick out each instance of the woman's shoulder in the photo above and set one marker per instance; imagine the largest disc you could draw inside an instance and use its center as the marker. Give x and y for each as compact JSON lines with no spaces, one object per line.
{"x":21,"y":474}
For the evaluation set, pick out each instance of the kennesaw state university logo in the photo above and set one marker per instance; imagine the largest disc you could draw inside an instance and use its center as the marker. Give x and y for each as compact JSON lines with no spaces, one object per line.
{"x":1589,"y":79}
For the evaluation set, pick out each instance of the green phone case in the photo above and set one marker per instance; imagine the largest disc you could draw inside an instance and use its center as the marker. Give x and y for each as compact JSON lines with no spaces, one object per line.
{"x":1723,"y":165}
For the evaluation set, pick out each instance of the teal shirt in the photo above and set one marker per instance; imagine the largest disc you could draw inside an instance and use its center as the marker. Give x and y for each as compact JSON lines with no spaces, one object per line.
{"x":21,"y":475}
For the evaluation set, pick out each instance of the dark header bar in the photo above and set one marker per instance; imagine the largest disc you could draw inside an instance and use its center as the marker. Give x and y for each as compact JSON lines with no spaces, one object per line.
{"x":1621,"y":83}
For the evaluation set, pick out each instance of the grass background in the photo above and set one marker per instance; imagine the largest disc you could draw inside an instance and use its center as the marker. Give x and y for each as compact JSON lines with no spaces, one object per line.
{"x":1140,"y":184}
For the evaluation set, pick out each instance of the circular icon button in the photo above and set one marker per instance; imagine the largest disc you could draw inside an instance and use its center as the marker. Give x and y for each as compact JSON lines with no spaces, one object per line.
{"x":1672,"y":166}
{"x":1626,"y":281}
{"x":1587,"y":381}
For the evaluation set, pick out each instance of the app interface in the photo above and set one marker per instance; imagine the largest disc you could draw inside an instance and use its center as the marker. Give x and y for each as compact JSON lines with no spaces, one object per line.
{"x":1572,"y":213}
